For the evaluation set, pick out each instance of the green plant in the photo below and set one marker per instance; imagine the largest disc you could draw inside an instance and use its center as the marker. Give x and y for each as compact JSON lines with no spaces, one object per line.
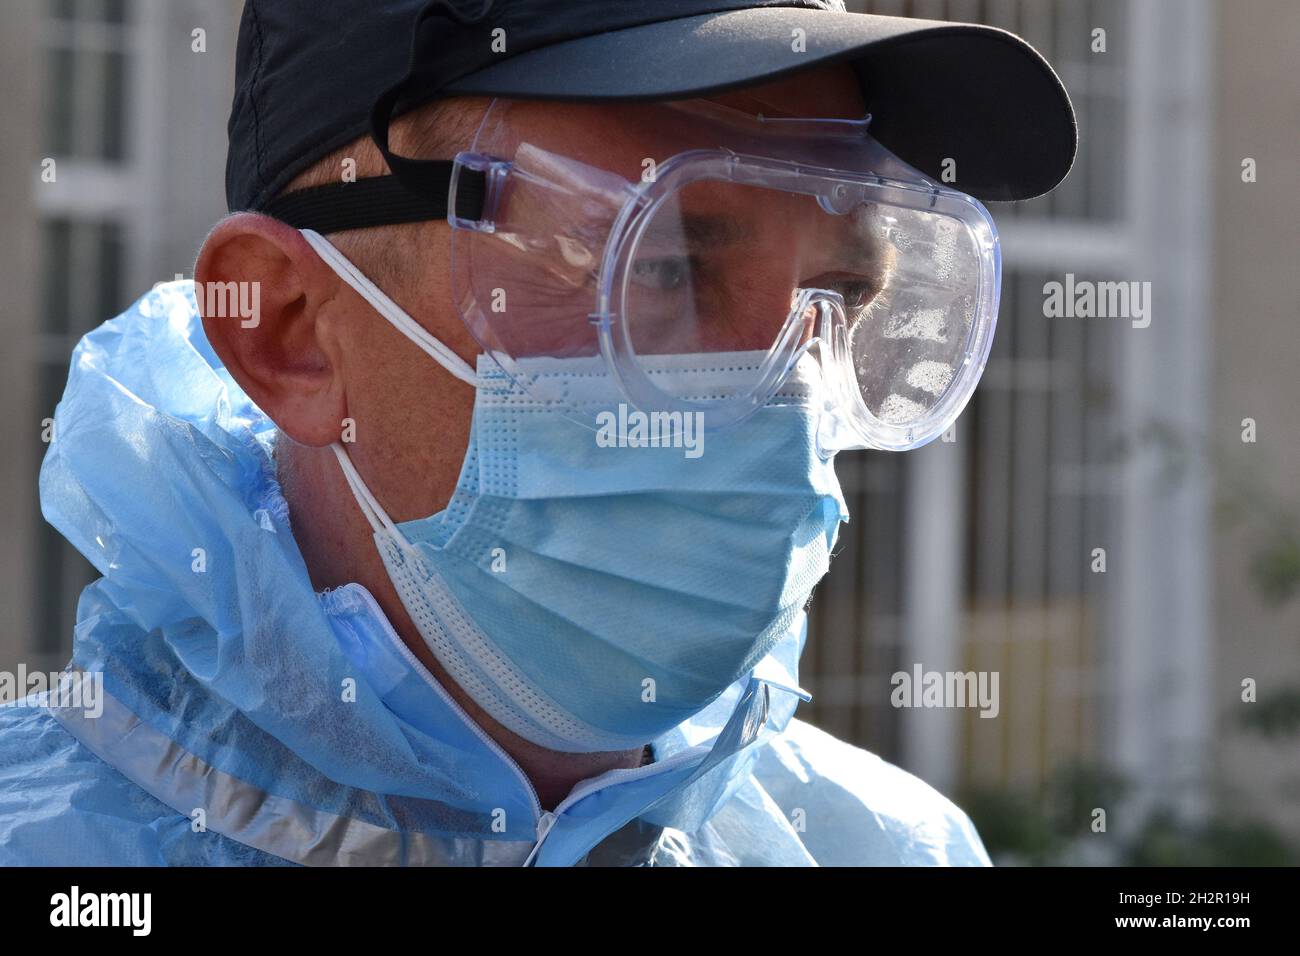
{"x":1049,"y":827}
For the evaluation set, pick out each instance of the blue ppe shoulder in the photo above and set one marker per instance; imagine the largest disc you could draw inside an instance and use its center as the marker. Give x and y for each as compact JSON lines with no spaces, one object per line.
{"x":60,"y":805}
{"x":849,"y":807}
{"x":821,"y":802}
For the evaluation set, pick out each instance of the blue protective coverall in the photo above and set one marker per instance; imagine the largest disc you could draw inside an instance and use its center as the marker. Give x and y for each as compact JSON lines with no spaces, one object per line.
{"x":248,"y":719}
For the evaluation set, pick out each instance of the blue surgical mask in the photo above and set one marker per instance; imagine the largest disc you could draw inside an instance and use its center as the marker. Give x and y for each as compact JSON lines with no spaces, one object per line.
{"x":591,"y":589}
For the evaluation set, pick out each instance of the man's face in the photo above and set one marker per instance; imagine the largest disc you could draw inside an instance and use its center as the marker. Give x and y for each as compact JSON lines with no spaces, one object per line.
{"x":415,"y":418}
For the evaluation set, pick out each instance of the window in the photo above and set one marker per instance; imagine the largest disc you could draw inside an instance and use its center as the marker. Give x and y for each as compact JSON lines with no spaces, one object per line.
{"x":86,"y":49}
{"x":1034,"y":447}
{"x":85,"y":247}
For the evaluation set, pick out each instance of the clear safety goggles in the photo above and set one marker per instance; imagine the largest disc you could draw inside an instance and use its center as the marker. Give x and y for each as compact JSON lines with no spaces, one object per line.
{"x":685,"y":229}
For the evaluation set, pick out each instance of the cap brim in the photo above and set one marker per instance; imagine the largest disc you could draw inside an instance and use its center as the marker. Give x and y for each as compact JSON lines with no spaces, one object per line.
{"x":976,"y":95}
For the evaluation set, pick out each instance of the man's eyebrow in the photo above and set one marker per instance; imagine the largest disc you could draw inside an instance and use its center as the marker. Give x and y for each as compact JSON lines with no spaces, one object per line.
{"x":691,"y":231}
{"x":868,"y":246}
{"x":697,"y":229}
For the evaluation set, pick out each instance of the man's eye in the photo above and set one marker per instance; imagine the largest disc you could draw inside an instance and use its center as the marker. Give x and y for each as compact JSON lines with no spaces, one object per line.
{"x":856,"y":293}
{"x":665,"y":274}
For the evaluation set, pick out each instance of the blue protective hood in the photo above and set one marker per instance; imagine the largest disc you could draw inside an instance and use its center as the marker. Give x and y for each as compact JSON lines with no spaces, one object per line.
{"x":299,"y":722}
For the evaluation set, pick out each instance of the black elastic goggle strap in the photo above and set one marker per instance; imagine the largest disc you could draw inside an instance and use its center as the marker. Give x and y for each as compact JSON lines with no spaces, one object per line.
{"x":378,"y":201}
{"x":417,"y":189}
{"x":424,"y":177}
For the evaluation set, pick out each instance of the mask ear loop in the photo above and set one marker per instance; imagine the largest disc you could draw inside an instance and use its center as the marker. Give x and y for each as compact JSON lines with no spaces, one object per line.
{"x":369,"y":504}
{"x":389,"y":309}
{"x":397,"y":317}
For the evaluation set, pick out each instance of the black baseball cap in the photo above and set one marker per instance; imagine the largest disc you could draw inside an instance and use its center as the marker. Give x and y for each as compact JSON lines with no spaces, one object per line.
{"x":313,"y":75}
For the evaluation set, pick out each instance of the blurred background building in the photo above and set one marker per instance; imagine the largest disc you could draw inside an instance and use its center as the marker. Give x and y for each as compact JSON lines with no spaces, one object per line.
{"x":1090,"y":440}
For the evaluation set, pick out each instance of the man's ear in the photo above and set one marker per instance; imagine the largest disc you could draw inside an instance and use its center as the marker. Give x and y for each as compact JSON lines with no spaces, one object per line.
{"x":268,"y":303}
